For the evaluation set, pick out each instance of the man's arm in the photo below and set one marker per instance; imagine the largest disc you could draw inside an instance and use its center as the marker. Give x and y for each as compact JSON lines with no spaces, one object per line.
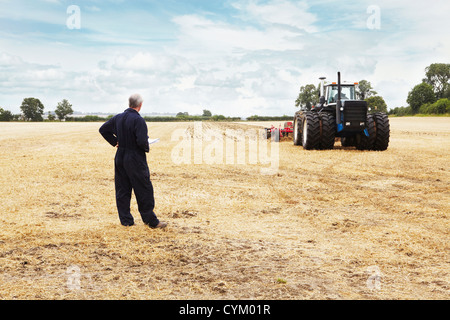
{"x":141,"y":134}
{"x":108,"y":131}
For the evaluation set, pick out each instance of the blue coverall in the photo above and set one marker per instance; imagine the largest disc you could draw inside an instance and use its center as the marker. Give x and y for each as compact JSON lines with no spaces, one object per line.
{"x":130,"y":132}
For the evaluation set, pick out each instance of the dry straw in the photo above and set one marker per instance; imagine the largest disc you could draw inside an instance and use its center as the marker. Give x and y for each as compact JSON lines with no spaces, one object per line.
{"x":317,"y":229}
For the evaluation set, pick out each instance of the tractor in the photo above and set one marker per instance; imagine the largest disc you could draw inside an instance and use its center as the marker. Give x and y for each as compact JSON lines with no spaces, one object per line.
{"x":340,"y":115}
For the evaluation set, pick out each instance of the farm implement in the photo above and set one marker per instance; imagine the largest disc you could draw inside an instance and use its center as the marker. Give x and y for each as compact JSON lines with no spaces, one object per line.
{"x":280,"y":131}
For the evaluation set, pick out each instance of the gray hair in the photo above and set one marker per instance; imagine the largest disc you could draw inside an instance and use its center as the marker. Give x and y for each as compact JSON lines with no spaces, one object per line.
{"x":135,"y":101}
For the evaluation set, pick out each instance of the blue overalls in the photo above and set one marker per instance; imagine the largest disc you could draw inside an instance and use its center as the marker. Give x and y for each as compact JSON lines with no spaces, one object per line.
{"x":129,"y":130}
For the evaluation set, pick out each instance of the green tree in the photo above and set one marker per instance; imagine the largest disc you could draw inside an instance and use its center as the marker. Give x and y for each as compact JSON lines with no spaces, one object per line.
{"x":401,"y":111}
{"x":419,"y":95}
{"x":438,"y":76}
{"x":207,"y":113}
{"x":364,"y":90}
{"x":51,"y":117}
{"x":63,"y":109}
{"x":6,"y":115}
{"x":376,"y":104}
{"x":441,"y":106}
{"x":218,"y":117}
{"x":307,"y":97}
{"x":447,"y":93}
{"x":32,"y":109}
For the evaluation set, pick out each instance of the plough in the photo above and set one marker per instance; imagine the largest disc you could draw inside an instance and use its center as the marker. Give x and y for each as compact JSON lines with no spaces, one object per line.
{"x":280,"y":131}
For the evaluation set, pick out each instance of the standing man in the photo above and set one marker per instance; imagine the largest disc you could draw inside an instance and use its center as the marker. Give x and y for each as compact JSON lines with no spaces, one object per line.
{"x":128,"y":132}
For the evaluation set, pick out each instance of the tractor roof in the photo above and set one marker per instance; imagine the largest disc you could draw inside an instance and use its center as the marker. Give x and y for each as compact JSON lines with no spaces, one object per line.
{"x":342,"y":84}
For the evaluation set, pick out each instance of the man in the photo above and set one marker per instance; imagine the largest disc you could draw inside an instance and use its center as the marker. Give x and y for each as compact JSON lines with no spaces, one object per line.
{"x":128,"y":132}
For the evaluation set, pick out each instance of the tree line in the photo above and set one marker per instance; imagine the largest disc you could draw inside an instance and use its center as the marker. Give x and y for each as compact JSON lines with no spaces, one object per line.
{"x":33,"y":110}
{"x":206,"y":116}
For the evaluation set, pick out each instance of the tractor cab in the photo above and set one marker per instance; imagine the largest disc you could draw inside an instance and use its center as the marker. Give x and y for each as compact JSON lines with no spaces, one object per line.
{"x":329,"y":93}
{"x":347,"y":93}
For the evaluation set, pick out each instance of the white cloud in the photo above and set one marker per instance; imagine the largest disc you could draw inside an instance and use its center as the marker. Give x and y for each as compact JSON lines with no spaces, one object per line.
{"x":199,"y":34}
{"x":144,"y":62}
{"x":278,"y":13}
{"x":9,"y":61}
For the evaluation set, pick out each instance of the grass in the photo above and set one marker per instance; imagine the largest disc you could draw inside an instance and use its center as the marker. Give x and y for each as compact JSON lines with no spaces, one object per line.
{"x":318,"y":226}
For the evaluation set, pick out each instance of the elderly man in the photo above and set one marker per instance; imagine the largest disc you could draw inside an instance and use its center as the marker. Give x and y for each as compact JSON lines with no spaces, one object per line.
{"x":128,"y":132}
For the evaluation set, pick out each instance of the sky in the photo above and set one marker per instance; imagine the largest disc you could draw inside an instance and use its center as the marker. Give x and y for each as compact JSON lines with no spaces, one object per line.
{"x":232,"y":57}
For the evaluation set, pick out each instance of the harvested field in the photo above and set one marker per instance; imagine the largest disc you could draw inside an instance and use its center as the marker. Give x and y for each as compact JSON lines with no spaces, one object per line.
{"x":337,"y":224}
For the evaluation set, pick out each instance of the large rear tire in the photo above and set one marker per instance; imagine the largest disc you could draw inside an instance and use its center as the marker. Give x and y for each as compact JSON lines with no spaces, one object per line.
{"x":383,"y":132}
{"x":311,"y":131}
{"x":328,"y":131}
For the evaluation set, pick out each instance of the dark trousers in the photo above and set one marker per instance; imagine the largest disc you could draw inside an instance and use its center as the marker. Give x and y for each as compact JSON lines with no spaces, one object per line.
{"x":132,"y":173}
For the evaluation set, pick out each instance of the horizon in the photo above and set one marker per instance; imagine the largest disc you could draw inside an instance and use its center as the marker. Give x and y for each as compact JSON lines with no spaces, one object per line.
{"x":234,"y":57}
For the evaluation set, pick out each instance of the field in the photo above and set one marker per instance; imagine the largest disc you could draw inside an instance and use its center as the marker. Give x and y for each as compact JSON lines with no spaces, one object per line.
{"x":338,"y":224}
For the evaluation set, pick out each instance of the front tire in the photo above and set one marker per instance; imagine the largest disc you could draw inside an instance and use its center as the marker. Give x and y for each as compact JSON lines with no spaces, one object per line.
{"x":311,"y":131}
{"x":383,"y":131}
{"x":297,"y":132}
{"x":328,"y":131}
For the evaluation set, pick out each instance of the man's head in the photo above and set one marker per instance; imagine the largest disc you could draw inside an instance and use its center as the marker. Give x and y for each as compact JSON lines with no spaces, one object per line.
{"x":136,"y":102}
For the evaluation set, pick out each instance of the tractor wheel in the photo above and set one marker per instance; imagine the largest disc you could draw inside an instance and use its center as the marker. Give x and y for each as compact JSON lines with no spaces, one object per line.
{"x":364,"y":142}
{"x":297,"y":132}
{"x":311,"y":131}
{"x":382,"y":129}
{"x":328,"y":131}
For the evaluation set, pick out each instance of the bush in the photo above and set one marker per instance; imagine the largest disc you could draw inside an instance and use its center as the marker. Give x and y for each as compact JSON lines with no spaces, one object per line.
{"x":269,"y":118}
{"x":424,"y":109}
{"x":441,"y":106}
{"x":88,"y":118}
{"x":401,"y":111}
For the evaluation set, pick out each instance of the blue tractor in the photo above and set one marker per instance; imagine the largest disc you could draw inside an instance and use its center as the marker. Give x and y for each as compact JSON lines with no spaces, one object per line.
{"x":339,"y":114}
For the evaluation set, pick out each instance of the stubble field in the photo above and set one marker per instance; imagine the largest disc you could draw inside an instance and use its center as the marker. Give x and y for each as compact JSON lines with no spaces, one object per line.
{"x":337,"y":224}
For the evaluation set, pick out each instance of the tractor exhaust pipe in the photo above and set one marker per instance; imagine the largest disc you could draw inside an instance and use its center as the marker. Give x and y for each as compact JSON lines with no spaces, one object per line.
{"x":338,"y":102}
{"x":322,"y":84}
{"x":339,"y":87}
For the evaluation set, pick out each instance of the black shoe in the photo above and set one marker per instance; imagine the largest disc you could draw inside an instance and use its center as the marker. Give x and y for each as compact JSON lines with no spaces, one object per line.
{"x":160,"y":225}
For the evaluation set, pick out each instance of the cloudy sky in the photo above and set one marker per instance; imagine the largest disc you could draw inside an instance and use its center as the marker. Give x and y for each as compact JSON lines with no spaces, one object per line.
{"x":233,"y":57}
